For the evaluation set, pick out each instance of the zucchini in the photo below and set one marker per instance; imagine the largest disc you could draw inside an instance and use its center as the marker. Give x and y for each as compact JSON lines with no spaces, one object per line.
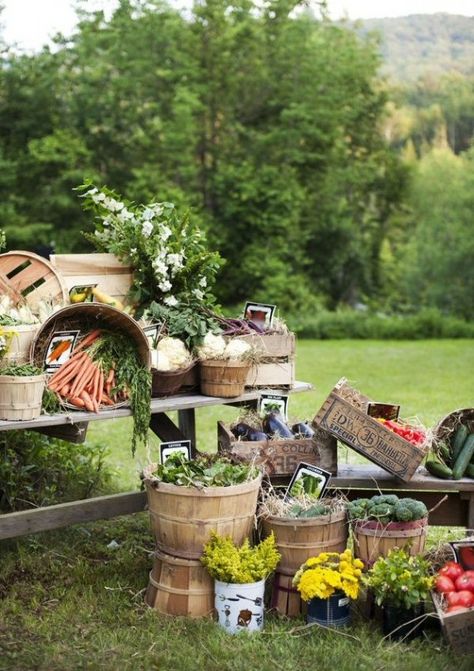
{"x":458,"y":441}
{"x":464,"y":457}
{"x":470,"y":471}
{"x":438,"y":469}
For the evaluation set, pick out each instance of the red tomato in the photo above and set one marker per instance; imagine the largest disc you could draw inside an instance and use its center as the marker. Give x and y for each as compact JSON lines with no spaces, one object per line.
{"x":464,"y":598}
{"x":443,"y":584}
{"x":465,"y":581}
{"x":455,"y":609}
{"x":451,"y":569}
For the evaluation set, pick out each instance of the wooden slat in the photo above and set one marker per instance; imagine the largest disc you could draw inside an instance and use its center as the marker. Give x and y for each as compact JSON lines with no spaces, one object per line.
{"x":184,"y":402}
{"x":25,"y":522}
{"x":187,"y":426}
{"x":362,"y":476}
{"x":164,"y":428}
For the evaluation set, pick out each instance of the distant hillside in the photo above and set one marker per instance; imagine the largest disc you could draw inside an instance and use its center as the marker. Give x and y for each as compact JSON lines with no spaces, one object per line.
{"x":424,"y":43}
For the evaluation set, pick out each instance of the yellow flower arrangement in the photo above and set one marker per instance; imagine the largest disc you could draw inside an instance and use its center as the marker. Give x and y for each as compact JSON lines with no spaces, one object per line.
{"x":329,"y":572}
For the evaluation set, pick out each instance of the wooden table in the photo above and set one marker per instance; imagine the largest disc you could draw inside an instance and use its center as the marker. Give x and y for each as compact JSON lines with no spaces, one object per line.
{"x":105,"y":507}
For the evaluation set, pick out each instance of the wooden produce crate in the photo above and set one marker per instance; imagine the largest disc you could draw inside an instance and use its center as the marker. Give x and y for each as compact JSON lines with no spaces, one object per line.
{"x":277,"y":367}
{"x":103,"y":270}
{"x":281,"y":457}
{"x":344,"y":415}
{"x":457,"y":627}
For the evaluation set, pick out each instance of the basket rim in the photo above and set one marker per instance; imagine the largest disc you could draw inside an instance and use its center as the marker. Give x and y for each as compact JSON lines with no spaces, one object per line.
{"x":209,"y":492}
{"x":335,"y":516}
{"x":390,"y":526}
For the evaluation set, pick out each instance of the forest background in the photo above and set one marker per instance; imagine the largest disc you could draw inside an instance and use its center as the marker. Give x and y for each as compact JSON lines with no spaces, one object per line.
{"x":330,"y":163}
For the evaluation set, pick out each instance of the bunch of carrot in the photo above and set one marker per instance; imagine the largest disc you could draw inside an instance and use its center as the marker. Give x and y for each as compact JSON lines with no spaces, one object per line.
{"x":81,"y":381}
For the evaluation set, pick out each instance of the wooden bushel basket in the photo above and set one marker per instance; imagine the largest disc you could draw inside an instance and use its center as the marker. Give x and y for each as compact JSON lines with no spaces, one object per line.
{"x":182,"y":518}
{"x":373,"y":539}
{"x":20,"y":342}
{"x":25,"y":276}
{"x":224,"y":379}
{"x":297,"y":539}
{"x":180,"y":587}
{"x":21,"y":397}
{"x":286,"y":599}
{"x":167,"y":383}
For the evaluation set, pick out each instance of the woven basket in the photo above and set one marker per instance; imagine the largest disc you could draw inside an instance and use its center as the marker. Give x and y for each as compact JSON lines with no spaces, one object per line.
{"x":85,"y":317}
{"x":21,"y":397}
{"x":225,"y":379}
{"x":20,"y":342}
{"x":167,"y":383}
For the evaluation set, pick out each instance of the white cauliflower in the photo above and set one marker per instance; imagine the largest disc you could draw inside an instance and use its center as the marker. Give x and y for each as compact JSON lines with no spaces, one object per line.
{"x":172,"y":354}
{"x":213,"y":347}
{"x":236,"y":349}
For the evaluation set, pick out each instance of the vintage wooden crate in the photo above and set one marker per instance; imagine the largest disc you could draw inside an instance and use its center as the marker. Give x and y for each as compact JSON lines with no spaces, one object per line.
{"x":277,"y":367}
{"x":457,"y":627}
{"x":103,"y":270}
{"x":281,"y":457}
{"x":344,"y":415}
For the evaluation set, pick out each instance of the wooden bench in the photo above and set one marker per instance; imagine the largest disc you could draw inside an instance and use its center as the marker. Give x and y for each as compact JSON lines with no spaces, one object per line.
{"x":456,"y":510}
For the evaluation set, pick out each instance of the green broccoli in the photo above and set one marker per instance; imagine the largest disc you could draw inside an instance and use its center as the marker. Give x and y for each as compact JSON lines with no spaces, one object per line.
{"x":408,"y":510}
{"x":383,"y":512}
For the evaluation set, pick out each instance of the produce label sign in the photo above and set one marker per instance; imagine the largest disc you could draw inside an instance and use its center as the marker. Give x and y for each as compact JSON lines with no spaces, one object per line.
{"x":153,"y":333}
{"x":273,"y":403}
{"x":181,"y":446}
{"x":308,"y":480}
{"x":367,"y":436}
{"x":464,"y":553}
{"x":260,"y":314}
{"x":59,"y":349}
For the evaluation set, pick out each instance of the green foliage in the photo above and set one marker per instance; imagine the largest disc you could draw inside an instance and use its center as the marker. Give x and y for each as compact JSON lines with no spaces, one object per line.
{"x":244,"y":564}
{"x":20,"y":370}
{"x":189,"y":321}
{"x":400,"y":580}
{"x":205,"y":471}
{"x":362,"y":325}
{"x":36,"y":470}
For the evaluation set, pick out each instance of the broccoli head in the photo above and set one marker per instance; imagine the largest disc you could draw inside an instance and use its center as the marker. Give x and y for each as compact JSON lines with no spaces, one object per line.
{"x":383,"y":512}
{"x":408,"y":510}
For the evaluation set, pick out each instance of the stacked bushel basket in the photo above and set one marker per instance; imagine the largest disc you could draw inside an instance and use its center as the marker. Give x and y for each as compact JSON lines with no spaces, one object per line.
{"x":182,"y":519}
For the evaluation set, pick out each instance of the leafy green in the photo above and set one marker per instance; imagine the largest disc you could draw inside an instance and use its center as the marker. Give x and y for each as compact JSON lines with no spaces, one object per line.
{"x":205,"y":471}
{"x":189,"y":321}
{"x":115,"y":350}
{"x":20,"y":370}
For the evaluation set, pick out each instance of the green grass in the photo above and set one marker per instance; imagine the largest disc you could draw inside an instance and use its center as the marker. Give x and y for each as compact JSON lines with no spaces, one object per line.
{"x":68,"y":601}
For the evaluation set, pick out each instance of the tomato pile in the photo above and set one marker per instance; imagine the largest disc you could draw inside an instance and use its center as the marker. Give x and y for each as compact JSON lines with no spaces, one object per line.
{"x":413,"y":435}
{"x":457,"y":586}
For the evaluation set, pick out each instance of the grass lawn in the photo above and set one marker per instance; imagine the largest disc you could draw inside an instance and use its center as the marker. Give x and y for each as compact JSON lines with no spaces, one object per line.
{"x":70,"y":599}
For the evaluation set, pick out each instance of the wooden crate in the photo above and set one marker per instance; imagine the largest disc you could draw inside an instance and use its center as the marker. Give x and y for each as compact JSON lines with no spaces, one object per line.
{"x":103,"y":270}
{"x":281,"y":457}
{"x":343,"y":414}
{"x":457,"y":627}
{"x":277,"y":366}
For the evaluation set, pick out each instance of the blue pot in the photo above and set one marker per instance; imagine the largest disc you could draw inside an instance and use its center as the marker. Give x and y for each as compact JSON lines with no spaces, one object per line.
{"x":331,"y":612}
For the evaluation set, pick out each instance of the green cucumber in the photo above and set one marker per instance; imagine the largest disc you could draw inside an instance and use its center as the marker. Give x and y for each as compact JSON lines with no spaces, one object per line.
{"x":458,"y":441}
{"x":470,"y":471}
{"x":464,"y":457}
{"x":438,"y":469}
{"x":444,"y":452}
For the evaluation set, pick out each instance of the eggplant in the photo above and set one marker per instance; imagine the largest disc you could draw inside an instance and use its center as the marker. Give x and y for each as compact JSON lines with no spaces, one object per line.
{"x":274,"y":425}
{"x":247,"y":432}
{"x":256,"y":435}
{"x":241,"y":430}
{"x":302,"y":429}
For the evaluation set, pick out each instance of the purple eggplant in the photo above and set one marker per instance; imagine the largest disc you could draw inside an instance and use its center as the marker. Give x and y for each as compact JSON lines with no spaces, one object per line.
{"x":274,"y":425}
{"x":247,"y":432}
{"x":302,"y":429}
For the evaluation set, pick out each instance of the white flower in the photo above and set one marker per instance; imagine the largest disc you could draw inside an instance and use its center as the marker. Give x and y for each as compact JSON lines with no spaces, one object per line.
{"x":148,"y":214}
{"x":203,"y":282}
{"x":107,"y":221}
{"x":157,"y":208}
{"x":98,"y":197}
{"x":133,"y":250}
{"x":91,"y":192}
{"x":164,"y":286}
{"x":165,"y":232}
{"x":147,"y":228}
{"x":171,"y":301}
{"x":199,"y":294}
{"x":113,"y":205}
{"x":175,"y":260}
{"x":125,"y":215}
